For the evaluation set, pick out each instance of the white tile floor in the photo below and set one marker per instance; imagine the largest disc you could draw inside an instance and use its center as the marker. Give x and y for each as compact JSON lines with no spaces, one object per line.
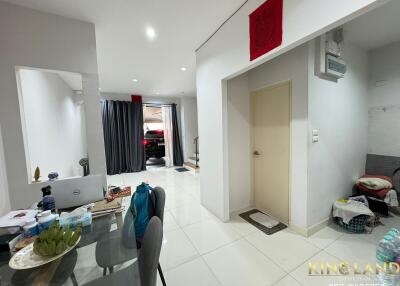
{"x":199,"y":250}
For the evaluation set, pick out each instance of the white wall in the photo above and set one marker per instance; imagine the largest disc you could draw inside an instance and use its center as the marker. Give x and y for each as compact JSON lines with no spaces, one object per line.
{"x":35,"y":39}
{"x":227,"y":54}
{"x":384,"y":100}
{"x":4,"y":197}
{"x":189,"y":125}
{"x":239,"y":152}
{"x":292,"y":66}
{"x":340,"y":112}
{"x":54,"y":124}
{"x":320,"y":173}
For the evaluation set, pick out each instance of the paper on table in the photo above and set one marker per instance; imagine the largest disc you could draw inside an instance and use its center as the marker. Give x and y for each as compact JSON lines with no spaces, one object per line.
{"x":17,"y":218}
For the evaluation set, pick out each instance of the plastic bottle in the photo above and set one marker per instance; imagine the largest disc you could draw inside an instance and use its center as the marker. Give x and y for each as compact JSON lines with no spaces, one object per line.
{"x":386,"y":250}
{"x":395,"y":234}
{"x":395,"y":231}
{"x":46,"y":218}
{"x":389,"y":250}
{"x":388,"y":279}
{"x":31,"y":228}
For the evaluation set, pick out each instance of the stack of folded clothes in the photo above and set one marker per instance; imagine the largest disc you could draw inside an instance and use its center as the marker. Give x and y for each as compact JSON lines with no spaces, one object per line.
{"x":380,"y":187}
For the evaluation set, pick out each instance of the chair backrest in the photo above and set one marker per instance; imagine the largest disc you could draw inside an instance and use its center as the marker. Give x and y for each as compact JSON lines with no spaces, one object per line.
{"x":160,"y":205}
{"x":150,"y":252}
{"x":128,"y":235}
{"x":128,"y":230}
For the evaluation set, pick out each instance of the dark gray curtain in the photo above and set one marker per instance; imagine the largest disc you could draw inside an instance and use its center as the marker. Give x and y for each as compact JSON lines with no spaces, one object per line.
{"x":177,"y":151}
{"x":123,"y":136}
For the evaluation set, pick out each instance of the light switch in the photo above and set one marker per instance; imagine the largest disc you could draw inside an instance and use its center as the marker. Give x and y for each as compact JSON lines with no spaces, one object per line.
{"x":315,"y":138}
{"x":315,"y":132}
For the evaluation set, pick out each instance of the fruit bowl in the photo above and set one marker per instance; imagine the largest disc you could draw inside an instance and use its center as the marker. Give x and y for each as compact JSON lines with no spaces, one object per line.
{"x":26,"y":258}
{"x":51,"y":244}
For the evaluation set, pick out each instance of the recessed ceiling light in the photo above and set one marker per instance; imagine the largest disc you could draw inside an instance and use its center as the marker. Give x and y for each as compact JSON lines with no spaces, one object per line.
{"x":150,"y":33}
{"x":99,"y":88}
{"x":157,"y":93}
{"x":134,"y":80}
{"x":183,"y":69}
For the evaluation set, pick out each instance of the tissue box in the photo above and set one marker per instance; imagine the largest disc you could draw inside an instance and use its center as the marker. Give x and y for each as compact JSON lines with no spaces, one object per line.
{"x":79,"y":215}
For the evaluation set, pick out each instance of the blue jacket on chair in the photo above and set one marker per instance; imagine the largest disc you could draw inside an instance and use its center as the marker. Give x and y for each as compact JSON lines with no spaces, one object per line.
{"x":142,"y":208}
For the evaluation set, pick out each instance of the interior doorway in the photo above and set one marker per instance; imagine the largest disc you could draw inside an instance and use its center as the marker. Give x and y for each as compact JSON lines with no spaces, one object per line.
{"x":154,"y":140}
{"x":271,"y":117}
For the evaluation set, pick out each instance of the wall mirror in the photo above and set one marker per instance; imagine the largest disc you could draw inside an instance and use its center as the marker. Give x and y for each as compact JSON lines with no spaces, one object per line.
{"x":53,"y":123}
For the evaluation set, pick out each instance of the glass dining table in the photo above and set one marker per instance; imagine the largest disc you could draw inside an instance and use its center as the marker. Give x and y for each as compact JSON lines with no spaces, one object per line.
{"x":103,"y":256}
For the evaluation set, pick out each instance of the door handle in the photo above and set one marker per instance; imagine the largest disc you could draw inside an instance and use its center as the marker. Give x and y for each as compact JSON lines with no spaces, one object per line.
{"x":256,"y":153}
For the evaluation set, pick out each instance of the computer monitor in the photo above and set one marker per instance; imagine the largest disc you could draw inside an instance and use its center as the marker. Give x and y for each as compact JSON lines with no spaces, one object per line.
{"x":73,"y":192}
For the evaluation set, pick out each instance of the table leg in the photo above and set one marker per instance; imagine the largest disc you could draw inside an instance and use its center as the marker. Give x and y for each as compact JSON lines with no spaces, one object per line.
{"x":73,"y":278}
{"x":118,"y":218}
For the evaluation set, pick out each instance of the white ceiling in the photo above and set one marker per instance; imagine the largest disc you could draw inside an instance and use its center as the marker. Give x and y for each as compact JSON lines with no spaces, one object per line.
{"x":377,"y":28}
{"x":123,"y":50}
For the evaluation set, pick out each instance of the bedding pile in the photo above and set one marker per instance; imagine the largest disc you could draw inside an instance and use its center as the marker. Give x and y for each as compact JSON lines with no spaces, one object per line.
{"x":375,"y":185}
{"x":380,"y":187}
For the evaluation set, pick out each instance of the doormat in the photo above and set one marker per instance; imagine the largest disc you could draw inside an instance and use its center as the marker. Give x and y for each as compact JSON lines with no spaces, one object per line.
{"x":182,"y":170}
{"x":263,"y":221}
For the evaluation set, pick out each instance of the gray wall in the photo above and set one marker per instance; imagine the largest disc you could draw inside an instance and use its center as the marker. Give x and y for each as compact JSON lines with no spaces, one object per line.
{"x":4,"y":197}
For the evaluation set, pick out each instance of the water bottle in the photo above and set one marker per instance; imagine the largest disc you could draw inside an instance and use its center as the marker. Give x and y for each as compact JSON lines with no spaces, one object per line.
{"x":389,"y":251}
{"x":45,"y":219}
{"x":395,"y":231}
{"x":388,"y":279}
{"x":31,"y":228}
{"x":396,"y":241}
{"x":386,"y":250}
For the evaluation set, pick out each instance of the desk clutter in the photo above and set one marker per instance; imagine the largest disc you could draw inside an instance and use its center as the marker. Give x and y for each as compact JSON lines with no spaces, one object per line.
{"x":118,"y":192}
{"x":24,"y":226}
{"x":48,"y":243}
{"x":105,"y":207}
{"x":46,"y":237}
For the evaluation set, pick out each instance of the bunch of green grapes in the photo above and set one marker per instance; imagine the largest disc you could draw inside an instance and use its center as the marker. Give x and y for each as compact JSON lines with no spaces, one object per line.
{"x":56,"y":240}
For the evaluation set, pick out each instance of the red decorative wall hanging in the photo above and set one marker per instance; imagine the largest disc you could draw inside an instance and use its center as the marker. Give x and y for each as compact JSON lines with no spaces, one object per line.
{"x":136,"y":98}
{"x":265,"y":28}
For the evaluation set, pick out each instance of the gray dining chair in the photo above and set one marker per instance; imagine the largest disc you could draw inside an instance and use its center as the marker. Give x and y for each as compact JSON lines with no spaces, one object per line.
{"x":160,"y":206}
{"x":149,"y":255}
{"x":145,"y":270}
{"x":116,"y":248}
